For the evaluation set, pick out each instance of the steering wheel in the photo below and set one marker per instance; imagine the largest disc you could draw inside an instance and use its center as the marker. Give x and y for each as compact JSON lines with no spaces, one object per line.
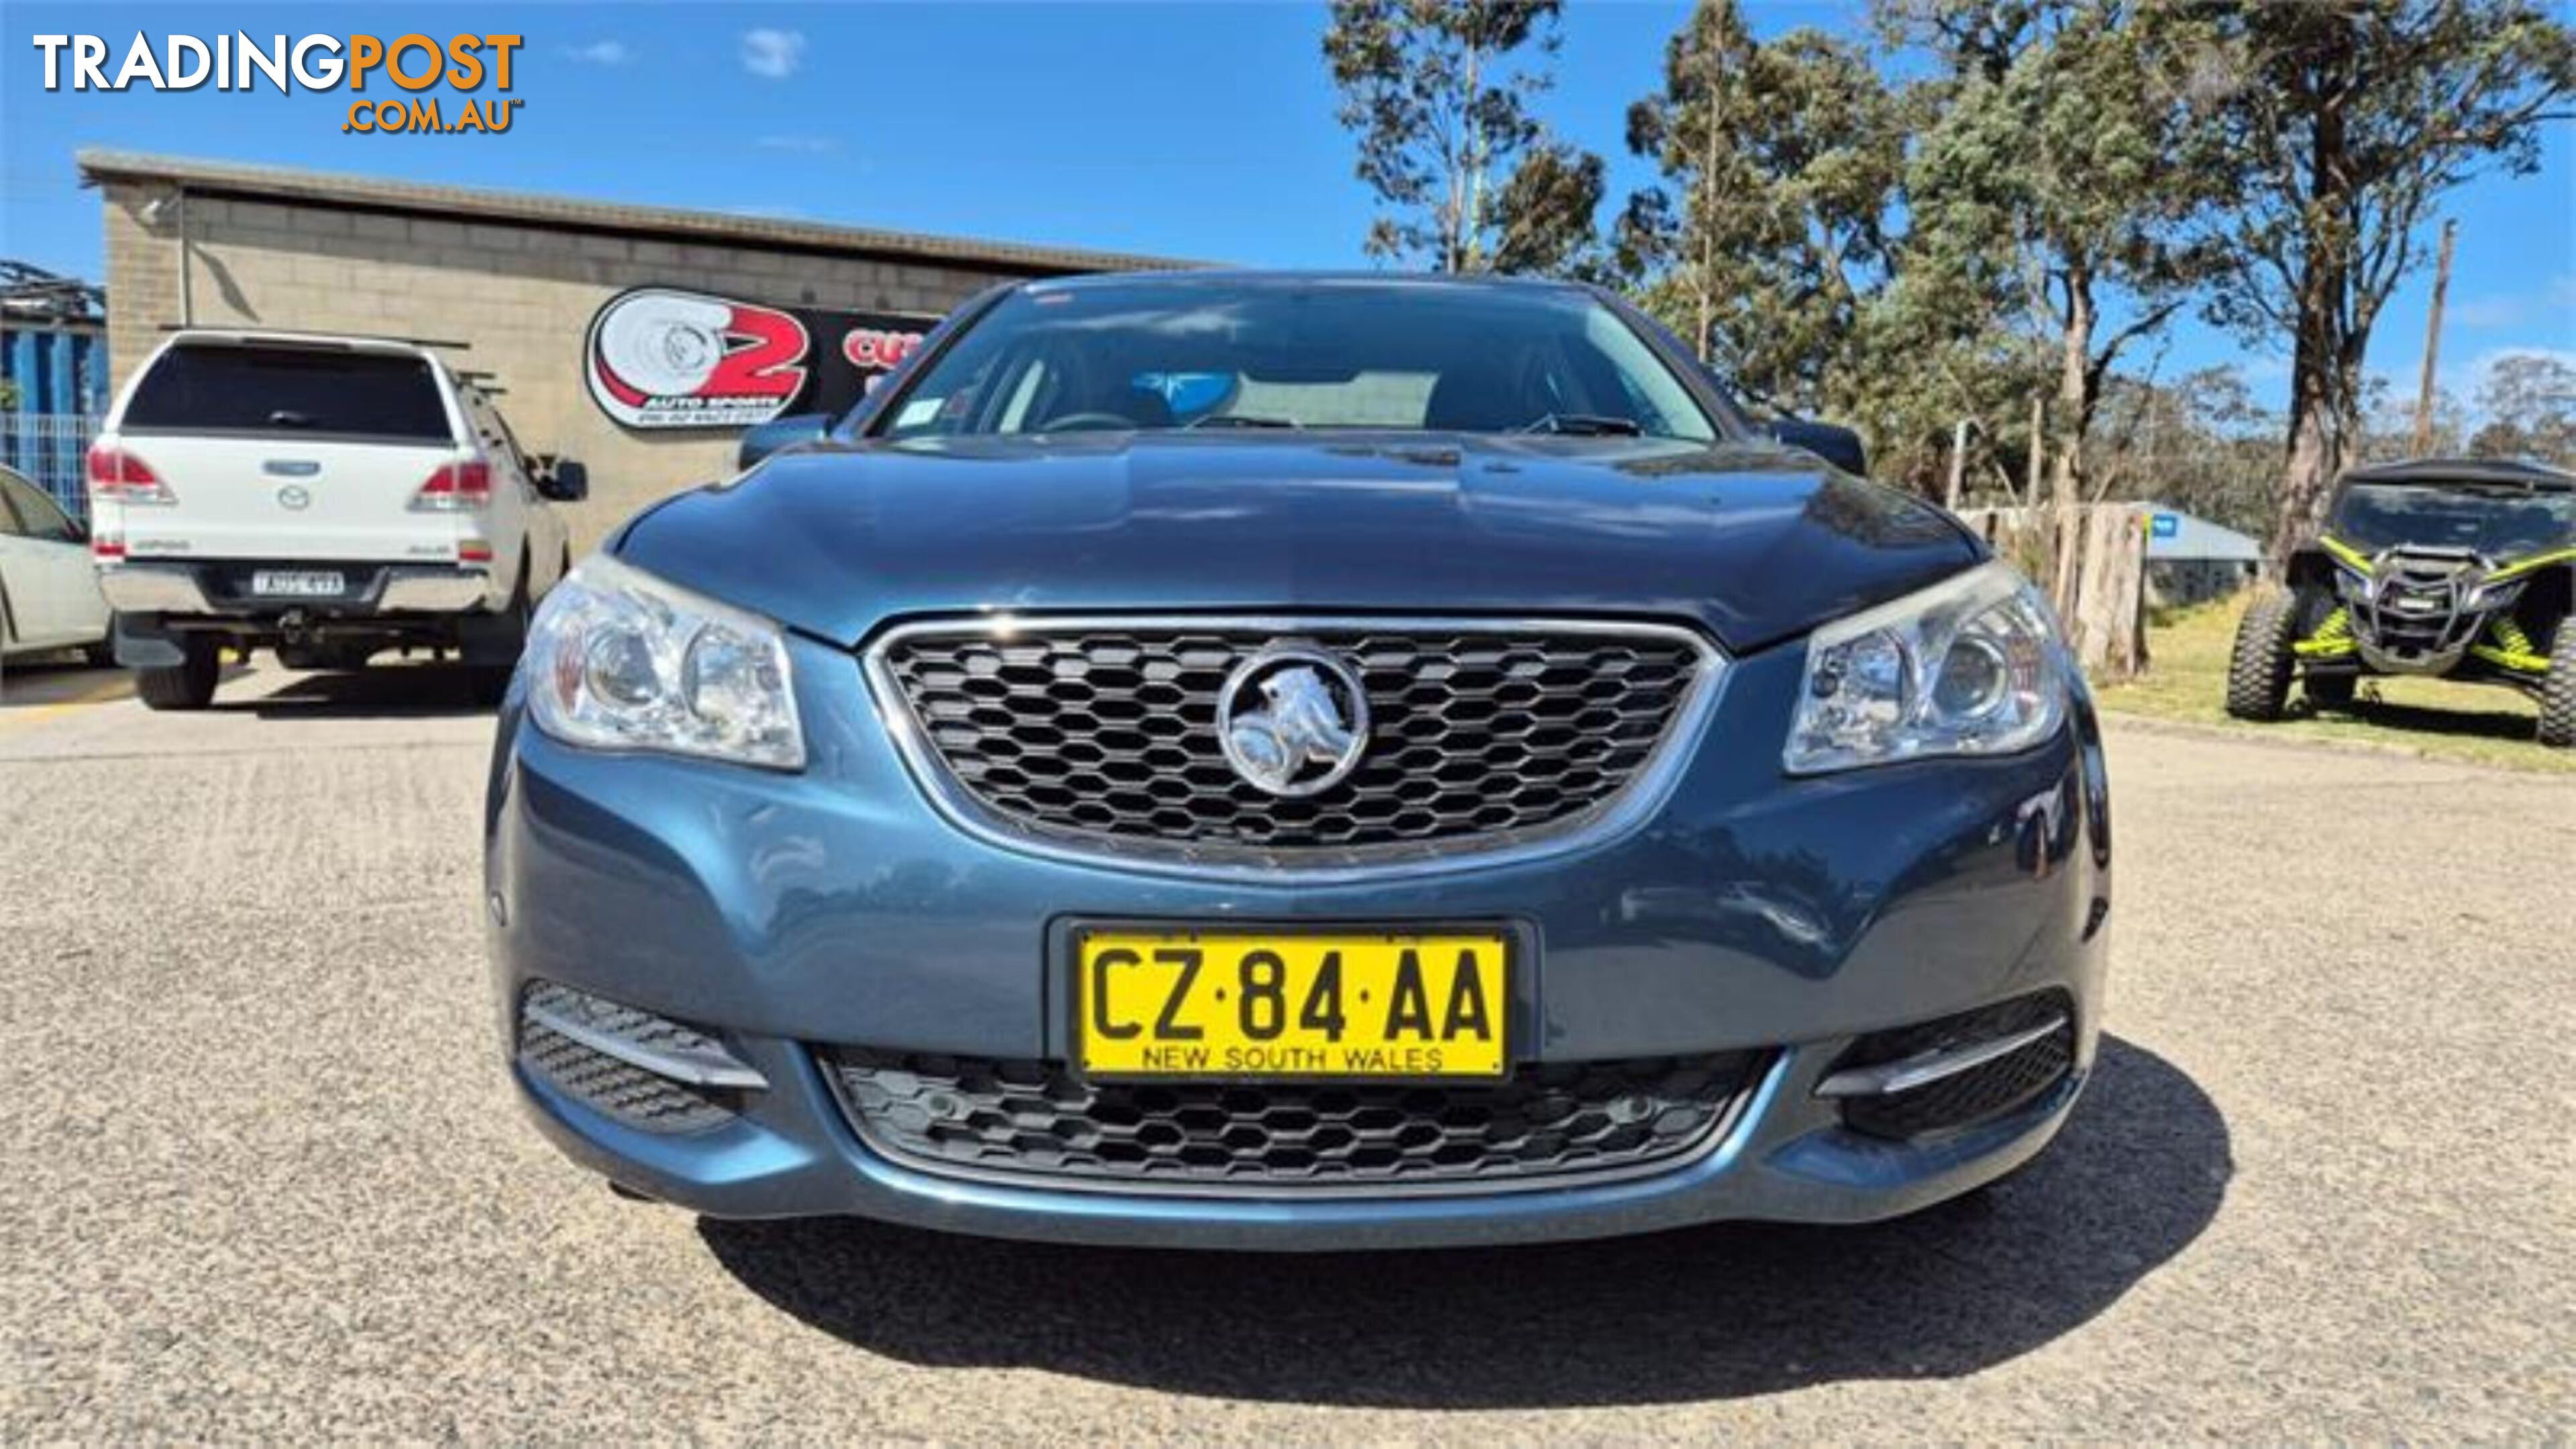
{"x":1084,"y":422}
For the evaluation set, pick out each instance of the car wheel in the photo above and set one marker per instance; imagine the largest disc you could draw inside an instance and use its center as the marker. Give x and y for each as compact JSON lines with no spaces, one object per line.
{"x":489,"y":682}
{"x":2558,"y":690}
{"x":189,"y":684}
{"x":2258,"y":673}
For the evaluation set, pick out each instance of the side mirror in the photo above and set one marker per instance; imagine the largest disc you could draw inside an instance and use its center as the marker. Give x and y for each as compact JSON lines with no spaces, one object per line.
{"x":1838,"y":446}
{"x":561,"y":480}
{"x":778,"y":435}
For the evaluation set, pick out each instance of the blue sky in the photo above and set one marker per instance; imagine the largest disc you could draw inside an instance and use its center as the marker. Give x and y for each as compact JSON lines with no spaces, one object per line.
{"x":1190,"y":130}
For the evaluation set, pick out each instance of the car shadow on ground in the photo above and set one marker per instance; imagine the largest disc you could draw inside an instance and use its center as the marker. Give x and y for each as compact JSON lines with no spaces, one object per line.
{"x":2496,"y":724}
{"x":1711,"y":1313}
{"x":383,"y":691}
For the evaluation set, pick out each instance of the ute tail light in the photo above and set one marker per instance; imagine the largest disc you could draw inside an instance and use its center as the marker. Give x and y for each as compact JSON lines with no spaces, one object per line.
{"x":463,"y":487}
{"x":118,"y":476}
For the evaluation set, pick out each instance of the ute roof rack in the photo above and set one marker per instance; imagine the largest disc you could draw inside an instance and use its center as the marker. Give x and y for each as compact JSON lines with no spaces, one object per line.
{"x":2508,"y":472}
{"x":299,"y":334}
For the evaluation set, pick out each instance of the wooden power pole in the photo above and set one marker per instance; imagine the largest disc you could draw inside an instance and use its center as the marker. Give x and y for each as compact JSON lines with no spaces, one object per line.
{"x":2433,"y":341}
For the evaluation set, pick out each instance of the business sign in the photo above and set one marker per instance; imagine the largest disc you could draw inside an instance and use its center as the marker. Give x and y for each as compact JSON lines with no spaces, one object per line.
{"x":2165,"y":525}
{"x":658,"y":357}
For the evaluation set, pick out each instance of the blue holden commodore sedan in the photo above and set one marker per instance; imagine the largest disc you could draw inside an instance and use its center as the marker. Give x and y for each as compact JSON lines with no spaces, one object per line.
{"x":1297,"y":761}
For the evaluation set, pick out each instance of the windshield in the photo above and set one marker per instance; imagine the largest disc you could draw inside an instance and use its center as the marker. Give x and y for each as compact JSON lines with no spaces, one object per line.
{"x":1183,"y":353}
{"x":2499,"y":522}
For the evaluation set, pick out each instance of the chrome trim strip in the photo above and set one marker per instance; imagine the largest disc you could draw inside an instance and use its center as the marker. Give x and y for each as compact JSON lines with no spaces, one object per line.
{"x":1924,"y":1068}
{"x":1736,"y":1113}
{"x":1617,"y":815}
{"x":437,"y":592}
{"x":142,"y":588}
{"x":718,"y":1068}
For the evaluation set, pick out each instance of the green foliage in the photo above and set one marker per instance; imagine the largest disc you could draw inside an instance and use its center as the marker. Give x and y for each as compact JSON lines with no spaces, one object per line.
{"x":1770,"y":232}
{"x":1440,"y":107}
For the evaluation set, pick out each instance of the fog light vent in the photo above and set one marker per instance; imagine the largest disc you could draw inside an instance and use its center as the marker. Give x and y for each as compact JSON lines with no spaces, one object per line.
{"x":1956,"y":1072}
{"x":648,"y":1072}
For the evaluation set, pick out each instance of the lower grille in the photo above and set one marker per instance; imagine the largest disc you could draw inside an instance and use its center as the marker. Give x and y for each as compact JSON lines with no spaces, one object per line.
{"x":647,"y":1101}
{"x":1977,"y":1095}
{"x":1037,"y":1120}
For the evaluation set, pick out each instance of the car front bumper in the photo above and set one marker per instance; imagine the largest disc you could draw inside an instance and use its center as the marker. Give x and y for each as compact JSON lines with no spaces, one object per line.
{"x":788,"y":915}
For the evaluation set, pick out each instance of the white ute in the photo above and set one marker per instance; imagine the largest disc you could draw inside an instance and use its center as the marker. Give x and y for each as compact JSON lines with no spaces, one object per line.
{"x":327,"y":497}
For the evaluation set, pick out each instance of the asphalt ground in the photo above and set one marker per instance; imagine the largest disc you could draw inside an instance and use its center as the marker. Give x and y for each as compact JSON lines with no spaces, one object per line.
{"x":264,"y":1179}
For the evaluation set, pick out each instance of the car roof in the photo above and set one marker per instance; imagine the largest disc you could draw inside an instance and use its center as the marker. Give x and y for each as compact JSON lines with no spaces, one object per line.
{"x":1239,"y":277}
{"x":2523,"y":472}
{"x":318,"y":341}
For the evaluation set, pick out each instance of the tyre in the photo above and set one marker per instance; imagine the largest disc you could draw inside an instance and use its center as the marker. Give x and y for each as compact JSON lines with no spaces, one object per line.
{"x":2258,"y":672}
{"x":2558,"y":690}
{"x":488,"y":682}
{"x":2329,"y":691}
{"x":186,"y":685}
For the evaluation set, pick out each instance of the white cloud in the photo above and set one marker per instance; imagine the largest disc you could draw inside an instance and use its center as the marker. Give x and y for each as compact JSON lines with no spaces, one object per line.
{"x":602,"y":52}
{"x":773,"y":54}
{"x":802,"y":145}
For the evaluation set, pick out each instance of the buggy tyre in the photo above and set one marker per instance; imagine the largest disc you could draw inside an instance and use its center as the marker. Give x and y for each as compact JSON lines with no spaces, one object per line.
{"x":2258,"y":672}
{"x":187,"y":685}
{"x":2558,"y":690}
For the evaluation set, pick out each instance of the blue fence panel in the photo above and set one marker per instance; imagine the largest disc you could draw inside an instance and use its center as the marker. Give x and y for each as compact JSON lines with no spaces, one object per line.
{"x":50,"y":449}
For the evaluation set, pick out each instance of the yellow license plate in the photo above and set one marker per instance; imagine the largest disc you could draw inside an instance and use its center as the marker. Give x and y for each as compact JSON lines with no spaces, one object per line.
{"x":1291,"y":1004}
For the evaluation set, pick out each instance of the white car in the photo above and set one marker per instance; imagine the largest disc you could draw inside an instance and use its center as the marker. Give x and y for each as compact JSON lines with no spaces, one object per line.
{"x":49,"y":597}
{"x":326,"y":497}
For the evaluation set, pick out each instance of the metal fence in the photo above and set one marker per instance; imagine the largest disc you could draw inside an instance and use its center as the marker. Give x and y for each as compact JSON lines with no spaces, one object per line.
{"x":49,"y":448}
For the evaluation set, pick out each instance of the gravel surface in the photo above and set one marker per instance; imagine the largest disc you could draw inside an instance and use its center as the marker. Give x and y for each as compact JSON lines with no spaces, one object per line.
{"x":264,"y":1178}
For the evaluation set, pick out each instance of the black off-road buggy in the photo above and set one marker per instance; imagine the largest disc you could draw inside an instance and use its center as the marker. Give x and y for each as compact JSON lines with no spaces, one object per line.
{"x":2462,"y":569}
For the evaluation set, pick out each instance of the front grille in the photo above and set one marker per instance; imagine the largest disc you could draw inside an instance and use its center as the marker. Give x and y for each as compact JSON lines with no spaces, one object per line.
{"x":1107,"y":733}
{"x":1036,"y":1119}
{"x":2418,"y":611}
{"x":1977,"y":1095}
{"x":641,"y":1099}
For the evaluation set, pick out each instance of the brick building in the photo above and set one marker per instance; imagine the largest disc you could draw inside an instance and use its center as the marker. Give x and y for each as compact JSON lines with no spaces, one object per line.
{"x":517,"y":278}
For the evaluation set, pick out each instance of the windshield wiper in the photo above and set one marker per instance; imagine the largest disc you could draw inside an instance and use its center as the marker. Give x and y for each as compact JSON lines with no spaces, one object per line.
{"x":1584,"y":425}
{"x":1236,"y":420}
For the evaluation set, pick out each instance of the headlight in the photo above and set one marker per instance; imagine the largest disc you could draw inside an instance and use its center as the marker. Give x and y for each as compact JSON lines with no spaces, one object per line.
{"x":1972,"y":666}
{"x":619,"y":660}
{"x":2496,"y":596}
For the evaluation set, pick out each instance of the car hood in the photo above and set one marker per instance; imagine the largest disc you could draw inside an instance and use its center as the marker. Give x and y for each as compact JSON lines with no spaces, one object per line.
{"x":1754,"y":542}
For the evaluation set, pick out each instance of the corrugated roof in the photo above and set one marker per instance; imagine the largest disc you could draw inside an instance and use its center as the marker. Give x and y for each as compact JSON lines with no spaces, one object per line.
{"x":475,"y":203}
{"x":2192,"y":537}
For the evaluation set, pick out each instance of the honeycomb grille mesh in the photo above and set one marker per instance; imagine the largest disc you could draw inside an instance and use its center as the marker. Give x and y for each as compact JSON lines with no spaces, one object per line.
{"x":1111,"y":733}
{"x":1038,"y":1119}
{"x":640,"y":1099}
{"x":1979,"y":1094}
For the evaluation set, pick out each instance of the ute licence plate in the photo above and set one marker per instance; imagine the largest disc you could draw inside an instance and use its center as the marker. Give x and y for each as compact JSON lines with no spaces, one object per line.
{"x":292,"y":584}
{"x":1253,"y":1004}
